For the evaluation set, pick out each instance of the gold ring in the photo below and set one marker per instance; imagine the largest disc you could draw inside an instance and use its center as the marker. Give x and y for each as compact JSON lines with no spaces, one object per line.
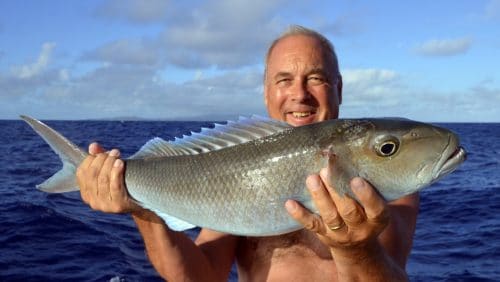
{"x":334,"y":228}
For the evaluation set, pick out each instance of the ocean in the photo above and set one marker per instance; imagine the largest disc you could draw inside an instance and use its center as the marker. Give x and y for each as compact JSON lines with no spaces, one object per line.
{"x":55,"y":237}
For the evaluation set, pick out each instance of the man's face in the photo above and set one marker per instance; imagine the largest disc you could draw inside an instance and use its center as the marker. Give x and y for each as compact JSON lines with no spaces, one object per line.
{"x":301,"y":86}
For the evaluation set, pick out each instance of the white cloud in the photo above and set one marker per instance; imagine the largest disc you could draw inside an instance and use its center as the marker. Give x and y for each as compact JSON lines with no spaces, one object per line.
{"x":378,"y":93}
{"x":445,"y":47}
{"x":368,"y":76}
{"x":133,"y":91}
{"x":226,"y":34}
{"x":141,"y":92}
{"x":381,"y":92}
{"x":64,"y":75}
{"x":36,"y":68}
{"x":126,"y":51}
{"x":365,"y":86}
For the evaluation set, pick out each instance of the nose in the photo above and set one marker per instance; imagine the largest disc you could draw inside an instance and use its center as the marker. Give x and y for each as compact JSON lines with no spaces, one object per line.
{"x":299,"y":91}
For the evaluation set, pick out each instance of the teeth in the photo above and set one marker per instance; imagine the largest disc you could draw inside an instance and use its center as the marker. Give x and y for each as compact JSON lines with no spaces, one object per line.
{"x":301,"y":114}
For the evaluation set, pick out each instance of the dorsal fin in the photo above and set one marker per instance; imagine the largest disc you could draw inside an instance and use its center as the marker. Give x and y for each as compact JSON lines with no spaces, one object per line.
{"x":211,"y":139}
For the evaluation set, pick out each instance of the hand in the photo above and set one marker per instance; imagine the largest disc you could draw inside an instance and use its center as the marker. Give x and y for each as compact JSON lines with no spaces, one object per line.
{"x":343,"y":224}
{"x":101,"y":181}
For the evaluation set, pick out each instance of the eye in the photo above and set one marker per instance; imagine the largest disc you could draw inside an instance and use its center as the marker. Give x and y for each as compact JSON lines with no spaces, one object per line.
{"x":387,"y":148}
{"x":315,"y":80}
{"x":283,"y":81}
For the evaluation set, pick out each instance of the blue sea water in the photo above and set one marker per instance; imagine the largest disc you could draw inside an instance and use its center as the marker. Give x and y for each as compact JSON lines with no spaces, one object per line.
{"x":54,"y":237}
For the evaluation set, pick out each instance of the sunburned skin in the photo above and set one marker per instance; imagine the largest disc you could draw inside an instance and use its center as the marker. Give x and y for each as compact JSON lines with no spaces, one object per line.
{"x":299,"y":256}
{"x":300,"y":88}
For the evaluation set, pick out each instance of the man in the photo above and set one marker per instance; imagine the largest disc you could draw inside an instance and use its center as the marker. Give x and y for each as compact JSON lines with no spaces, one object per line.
{"x":347,"y":241}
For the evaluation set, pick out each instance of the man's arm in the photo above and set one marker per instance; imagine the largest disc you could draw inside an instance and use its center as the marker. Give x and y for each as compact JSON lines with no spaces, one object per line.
{"x":370,"y":240}
{"x":177,"y":258}
{"x":397,"y":237}
{"x":173,"y":254}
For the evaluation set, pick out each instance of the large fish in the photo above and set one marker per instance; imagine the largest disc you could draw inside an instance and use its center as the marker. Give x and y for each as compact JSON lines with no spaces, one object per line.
{"x":235,"y":178}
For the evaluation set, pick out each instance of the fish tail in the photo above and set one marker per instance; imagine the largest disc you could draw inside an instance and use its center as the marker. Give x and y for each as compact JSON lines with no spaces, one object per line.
{"x":70,"y":154}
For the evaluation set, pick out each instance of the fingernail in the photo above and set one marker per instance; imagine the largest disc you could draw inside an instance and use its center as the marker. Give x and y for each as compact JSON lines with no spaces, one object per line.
{"x":358,"y":185}
{"x":324,"y":174}
{"x":92,"y":148}
{"x":114,"y":153}
{"x":313,"y":183}
{"x":118,"y":163}
{"x":291,"y":206}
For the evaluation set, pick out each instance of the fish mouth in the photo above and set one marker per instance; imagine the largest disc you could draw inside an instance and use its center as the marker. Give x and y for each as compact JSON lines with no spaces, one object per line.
{"x":450,"y":161}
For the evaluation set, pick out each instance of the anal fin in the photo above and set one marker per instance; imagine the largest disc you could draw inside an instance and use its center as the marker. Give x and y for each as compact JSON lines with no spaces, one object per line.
{"x":174,"y":223}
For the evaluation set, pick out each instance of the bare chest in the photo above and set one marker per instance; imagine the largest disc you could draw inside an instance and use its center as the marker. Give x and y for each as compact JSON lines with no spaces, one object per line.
{"x":297,"y":256}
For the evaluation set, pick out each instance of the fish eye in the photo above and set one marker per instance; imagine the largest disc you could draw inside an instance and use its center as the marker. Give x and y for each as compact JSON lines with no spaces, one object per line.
{"x":387,"y":148}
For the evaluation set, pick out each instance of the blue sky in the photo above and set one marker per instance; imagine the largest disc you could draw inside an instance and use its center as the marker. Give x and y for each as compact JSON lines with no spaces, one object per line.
{"x":186,"y":60}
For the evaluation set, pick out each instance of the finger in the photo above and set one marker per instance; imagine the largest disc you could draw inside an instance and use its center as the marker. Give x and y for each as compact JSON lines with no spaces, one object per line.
{"x":81,"y":176}
{"x":310,"y":221}
{"x":350,"y":211}
{"x":375,"y":206}
{"x":95,"y":148}
{"x":94,"y":171}
{"x":323,"y":201}
{"x":116,"y":184}
{"x":103,"y":180}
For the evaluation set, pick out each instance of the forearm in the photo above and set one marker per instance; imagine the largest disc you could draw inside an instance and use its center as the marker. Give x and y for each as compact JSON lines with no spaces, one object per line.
{"x":370,"y":263}
{"x":174,"y":255}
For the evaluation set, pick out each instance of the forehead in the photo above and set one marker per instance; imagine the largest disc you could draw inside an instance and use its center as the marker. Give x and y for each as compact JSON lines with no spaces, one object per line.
{"x":297,"y":51}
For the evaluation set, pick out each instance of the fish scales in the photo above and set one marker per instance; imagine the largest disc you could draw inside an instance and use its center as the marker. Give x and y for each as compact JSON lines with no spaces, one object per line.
{"x":253,"y":180}
{"x":235,"y":178}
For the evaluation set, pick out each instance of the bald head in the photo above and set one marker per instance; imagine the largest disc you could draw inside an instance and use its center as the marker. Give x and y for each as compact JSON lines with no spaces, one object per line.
{"x":325,"y":44}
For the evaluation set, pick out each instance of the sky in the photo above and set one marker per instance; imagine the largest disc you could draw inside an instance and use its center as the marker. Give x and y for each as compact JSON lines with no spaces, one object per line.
{"x":436,"y":61}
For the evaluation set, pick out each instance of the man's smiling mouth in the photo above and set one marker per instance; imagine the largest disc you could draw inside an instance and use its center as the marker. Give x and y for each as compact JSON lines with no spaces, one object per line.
{"x":302,"y":114}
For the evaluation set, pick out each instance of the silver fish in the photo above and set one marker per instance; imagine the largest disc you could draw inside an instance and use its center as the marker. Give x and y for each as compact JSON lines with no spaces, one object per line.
{"x":235,"y":178}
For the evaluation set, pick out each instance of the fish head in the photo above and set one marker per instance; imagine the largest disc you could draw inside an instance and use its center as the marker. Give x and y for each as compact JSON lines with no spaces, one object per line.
{"x":397,"y":156}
